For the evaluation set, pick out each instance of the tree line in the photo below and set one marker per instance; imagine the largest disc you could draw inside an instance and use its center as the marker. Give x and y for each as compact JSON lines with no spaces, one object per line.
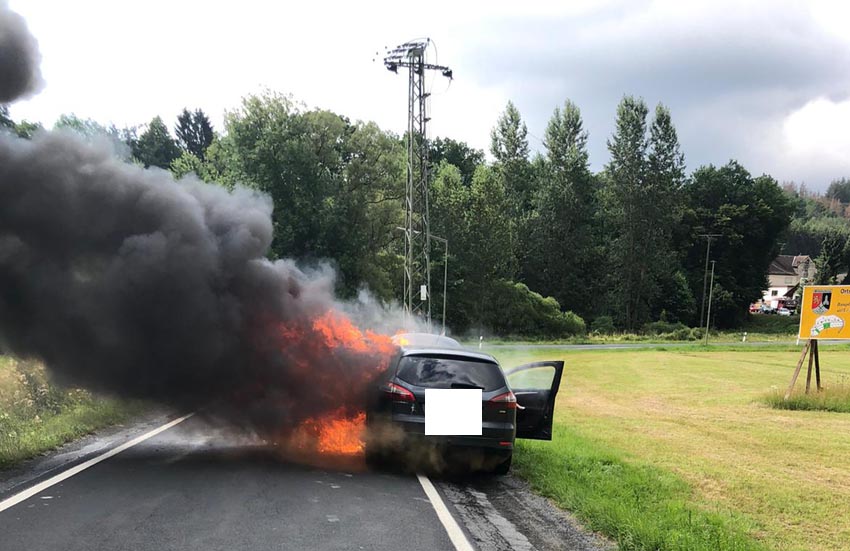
{"x":539,"y":244}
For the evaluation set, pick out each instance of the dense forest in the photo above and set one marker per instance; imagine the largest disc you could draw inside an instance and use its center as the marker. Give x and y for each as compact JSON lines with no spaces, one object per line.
{"x":538,"y":243}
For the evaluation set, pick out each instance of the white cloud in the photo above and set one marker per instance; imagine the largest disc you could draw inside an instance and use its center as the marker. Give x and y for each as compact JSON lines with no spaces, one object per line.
{"x":818,"y":133}
{"x":730,"y":71}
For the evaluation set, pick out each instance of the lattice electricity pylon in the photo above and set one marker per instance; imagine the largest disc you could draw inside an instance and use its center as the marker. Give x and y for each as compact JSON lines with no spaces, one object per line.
{"x":417,"y":231}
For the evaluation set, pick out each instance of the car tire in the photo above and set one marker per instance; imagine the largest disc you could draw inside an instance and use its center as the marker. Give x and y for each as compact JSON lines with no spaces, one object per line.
{"x":504,"y":466}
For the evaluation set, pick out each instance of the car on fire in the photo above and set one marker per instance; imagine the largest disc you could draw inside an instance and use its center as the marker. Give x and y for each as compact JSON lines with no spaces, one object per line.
{"x":516,"y":403}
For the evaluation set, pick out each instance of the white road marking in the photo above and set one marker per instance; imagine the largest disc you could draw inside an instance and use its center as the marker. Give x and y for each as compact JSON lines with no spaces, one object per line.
{"x":453,"y":529}
{"x":64,"y":475}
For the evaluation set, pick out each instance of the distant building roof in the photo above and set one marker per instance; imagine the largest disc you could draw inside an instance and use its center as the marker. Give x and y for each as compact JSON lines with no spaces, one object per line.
{"x":786,"y":264}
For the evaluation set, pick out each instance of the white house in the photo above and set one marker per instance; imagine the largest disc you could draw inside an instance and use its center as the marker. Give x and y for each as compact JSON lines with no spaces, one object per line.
{"x":785,"y":274}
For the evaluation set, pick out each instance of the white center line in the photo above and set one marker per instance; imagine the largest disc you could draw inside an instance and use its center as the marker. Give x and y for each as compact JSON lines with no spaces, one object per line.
{"x":41,"y":486}
{"x":453,"y":529}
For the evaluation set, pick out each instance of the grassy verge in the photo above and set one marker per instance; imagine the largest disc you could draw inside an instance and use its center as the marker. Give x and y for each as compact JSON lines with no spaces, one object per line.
{"x":36,"y":415}
{"x":758,"y":328}
{"x":639,"y":506}
{"x":624,"y":338}
{"x":832,"y":398}
{"x":670,"y":450}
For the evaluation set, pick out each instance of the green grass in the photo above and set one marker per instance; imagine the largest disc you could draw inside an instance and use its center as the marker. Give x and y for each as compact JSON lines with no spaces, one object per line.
{"x":669,"y":450}
{"x":832,"y":398}
{"x":772,"y":324}
{"x":735,"y":336}
{"x":37,"y":416}
{"x":640,"y":506}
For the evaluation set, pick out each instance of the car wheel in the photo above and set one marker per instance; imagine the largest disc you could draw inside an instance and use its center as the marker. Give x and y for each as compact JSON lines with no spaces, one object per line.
{"x":503,"y":466}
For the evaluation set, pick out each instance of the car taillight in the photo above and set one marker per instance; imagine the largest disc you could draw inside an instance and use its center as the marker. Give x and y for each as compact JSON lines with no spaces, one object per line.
{"x":506,"y":400}
{"x":397,"y":393}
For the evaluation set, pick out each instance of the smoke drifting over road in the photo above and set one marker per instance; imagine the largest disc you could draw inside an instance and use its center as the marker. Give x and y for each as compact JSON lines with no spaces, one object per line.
{"x":125,"y":281}
{"x":19,"y":57}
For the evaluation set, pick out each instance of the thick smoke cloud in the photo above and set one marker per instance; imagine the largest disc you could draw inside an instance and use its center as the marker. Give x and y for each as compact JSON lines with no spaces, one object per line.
{"x":19,"y":57}
{"x":123,"y":280}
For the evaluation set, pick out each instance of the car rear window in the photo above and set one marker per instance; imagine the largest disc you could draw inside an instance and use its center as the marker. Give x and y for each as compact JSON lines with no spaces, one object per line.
{"x":444,"y":371}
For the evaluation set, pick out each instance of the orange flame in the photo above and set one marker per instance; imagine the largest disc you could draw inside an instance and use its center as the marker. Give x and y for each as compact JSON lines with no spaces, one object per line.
{"x":339,"y":432}
{"x":338,"y":332}
{"x":334,"y":433}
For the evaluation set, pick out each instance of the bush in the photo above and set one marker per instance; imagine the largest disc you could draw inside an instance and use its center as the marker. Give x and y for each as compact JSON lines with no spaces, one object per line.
{"x":603,"y":325}
{"x":772,"y":324}
{"x":514,"y":309}
{"x":661,"y":327}
{"x":682,"y":334}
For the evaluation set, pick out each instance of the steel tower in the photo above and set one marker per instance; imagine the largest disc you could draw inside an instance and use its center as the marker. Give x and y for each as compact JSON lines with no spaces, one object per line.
{"x":417,"y":231}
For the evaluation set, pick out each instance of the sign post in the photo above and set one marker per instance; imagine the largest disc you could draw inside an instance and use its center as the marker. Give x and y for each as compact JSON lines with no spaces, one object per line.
{"x":824,"y":314}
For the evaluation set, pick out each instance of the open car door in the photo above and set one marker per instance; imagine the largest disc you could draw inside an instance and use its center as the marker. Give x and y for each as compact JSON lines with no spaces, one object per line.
{"x":535,"y":386}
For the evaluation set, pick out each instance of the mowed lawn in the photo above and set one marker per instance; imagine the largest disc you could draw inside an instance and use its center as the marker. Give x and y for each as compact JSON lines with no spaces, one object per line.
{"x":781,"y":477}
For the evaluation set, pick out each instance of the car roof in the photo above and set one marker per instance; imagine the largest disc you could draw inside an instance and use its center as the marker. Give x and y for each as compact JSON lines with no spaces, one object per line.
{"x":437,"y":351}
{"x":425,"y":339}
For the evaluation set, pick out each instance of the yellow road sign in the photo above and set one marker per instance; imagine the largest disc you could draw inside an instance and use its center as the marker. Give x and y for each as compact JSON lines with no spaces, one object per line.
{"x":825,"y":312}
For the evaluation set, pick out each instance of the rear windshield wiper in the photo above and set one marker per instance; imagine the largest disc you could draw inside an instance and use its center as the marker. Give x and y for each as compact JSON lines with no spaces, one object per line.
{"x":466,"y":385}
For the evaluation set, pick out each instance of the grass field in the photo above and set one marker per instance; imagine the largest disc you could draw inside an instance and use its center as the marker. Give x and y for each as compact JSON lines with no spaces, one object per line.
{"x":36,"y":415}
{"x":678,"y":450}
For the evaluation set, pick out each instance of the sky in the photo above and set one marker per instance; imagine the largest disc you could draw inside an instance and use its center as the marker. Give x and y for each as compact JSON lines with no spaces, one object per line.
{"x":765,"y":82}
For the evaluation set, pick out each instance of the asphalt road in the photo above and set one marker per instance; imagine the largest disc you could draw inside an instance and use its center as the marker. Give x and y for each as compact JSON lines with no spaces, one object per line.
{"x":191,"y":488}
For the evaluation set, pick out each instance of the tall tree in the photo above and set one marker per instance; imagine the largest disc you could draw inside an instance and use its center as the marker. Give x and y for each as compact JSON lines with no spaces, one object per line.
{"x":5,"y":120}
{"x":459,"y":154}
{"x":473,"y":220}
{"x":155,"y":146}
{"x":630,"y":213}
{"x":665,"y":180}
{"x":750,"y":214}
{"x":509,"y":146}
{"x":644,"y":209}
{"x":194,"y":132}
{"x":839,"y":190}
{"x":559,"y":239}
{"x":831,"y":259}
{"x":336,"y":186}
{"x":26,"y":129}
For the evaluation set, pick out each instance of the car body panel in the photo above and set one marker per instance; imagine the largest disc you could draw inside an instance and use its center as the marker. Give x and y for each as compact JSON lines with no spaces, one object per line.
{"x":536,"y":387}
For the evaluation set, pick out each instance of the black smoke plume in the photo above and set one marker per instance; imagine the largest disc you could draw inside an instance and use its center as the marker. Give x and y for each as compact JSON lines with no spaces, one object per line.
{"x":19,"y":57}
{"x":123,"y":280}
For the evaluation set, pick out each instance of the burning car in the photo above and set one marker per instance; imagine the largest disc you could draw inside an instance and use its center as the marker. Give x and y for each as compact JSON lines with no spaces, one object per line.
{"x":516,"y":403}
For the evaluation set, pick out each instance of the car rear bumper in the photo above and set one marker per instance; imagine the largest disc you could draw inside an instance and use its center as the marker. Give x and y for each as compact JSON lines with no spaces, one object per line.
{"x":495,"y":436}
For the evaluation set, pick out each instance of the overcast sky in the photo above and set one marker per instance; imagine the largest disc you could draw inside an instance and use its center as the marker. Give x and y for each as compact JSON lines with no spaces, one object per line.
{"x":767,"y":83}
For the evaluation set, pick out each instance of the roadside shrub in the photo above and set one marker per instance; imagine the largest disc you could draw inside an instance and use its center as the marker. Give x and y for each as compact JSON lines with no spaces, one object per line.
{"x":661,"y":327}
{"x":603,"y":325}
{"x":681,"y":334}
{"x":772,"y":324}
{"x":514,"y":309}
{"x":36,"y":414}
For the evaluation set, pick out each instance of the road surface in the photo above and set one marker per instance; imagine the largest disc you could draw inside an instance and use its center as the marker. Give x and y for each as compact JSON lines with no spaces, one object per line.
{"x":190,"y":488}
